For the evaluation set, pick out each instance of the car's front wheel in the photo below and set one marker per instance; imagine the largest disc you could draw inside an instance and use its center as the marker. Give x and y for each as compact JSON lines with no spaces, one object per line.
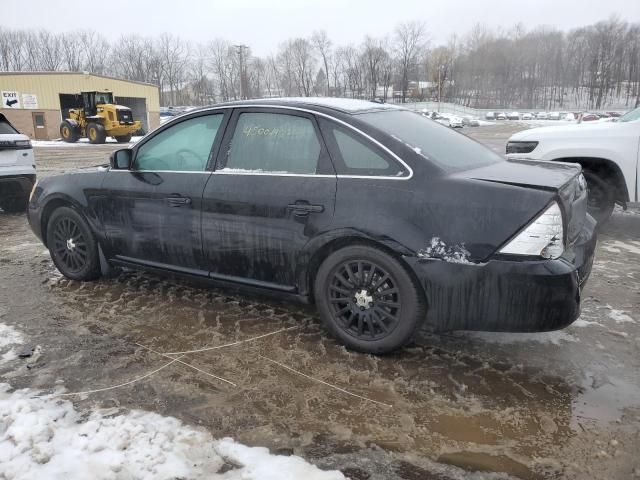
{"x":72,"y":246}
{"x":368,"y":300}
{"x":601,"y":197}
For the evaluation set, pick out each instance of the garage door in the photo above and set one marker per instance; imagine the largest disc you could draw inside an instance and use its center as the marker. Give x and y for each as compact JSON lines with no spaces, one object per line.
{"x":69,"y":100}
{"x":138,"y":106}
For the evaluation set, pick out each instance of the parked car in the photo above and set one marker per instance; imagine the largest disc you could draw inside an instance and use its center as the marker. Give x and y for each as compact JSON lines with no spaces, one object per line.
{"x":17,"y":168}
{"x":590,"y":117}
{"x":607,"y":152}
{"x":528,"y":116}
{"x":513,"y":116}
{"x":451,"y":121}
{"x":384,"y":219}
{"x":554,"y":116}
{"x":603,"y":115}
{"x":470,"y":121}
{"x":614,"y":114}
{"x":568,"y":116}
{"x":490,"y":116}
{"x":501,"y":116}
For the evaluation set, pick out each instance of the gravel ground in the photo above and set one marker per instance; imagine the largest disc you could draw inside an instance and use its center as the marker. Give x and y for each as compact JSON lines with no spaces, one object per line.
{"x":551,"y":405}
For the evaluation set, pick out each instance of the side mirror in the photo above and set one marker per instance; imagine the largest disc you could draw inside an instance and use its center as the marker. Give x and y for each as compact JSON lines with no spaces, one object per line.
{"x":121,"y":159}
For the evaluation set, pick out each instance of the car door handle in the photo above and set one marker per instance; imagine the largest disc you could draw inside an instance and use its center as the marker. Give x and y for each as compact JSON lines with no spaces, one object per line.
{"x":304,"y":208}
{"x":178,"y":201}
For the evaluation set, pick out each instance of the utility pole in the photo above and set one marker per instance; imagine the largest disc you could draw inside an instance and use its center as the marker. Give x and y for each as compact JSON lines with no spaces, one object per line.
{"x":243,"y":80}
{"x":439,"y":86}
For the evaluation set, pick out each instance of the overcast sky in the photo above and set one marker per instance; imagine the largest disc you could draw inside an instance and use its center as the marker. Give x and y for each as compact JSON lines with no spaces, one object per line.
{"x":263,"y":24}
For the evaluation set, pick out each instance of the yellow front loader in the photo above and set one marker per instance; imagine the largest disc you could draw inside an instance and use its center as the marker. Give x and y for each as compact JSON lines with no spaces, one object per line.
{"x":97,"y":119}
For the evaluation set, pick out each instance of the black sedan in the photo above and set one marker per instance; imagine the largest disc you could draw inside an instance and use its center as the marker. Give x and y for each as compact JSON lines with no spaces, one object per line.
{"x":386,"y":220}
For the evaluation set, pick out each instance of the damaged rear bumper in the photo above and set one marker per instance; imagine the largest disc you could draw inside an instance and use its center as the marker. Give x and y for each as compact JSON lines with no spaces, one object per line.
{"x":507,"y":296}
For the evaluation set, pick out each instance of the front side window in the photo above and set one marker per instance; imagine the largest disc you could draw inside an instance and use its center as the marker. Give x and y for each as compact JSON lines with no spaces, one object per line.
{"x":185,"y":146}
{"x":273,"y":143}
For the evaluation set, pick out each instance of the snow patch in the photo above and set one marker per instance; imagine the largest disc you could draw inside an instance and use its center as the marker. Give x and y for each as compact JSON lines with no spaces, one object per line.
{"x":8,"y":336}
{"x":584,"y":323}
{"x":619,"y":316}
{"x":439,"y":250}
{"x":48,"y":438}
{"x":83,"y":142}
{"x":615,"y":246}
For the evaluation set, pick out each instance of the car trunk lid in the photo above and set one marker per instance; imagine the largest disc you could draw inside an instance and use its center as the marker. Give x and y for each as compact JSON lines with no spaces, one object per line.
{"x":562,"y":179}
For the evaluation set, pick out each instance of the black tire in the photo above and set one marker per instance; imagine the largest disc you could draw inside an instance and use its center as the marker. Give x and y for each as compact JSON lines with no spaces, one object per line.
{"x":601,"y":196}
{"x":95,"y":133}
{"x":123,"y":138}
{"x":68,"y":132}
{"x":77,"y":260}
{"x":15,"y":204}
{"x":368,"y":300}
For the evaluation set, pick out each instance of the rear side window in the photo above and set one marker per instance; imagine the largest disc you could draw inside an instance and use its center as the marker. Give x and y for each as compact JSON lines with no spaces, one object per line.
{"x":356,"y":155}
{"x":273,"y":143}
{"x":5,"y":127}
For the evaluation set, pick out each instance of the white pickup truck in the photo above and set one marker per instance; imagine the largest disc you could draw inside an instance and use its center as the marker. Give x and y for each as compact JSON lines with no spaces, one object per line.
{"x":607,"y":151}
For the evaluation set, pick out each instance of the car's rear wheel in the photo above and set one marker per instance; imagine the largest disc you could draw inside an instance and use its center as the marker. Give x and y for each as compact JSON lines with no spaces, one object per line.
{"x":72,"y":246}
{"x":601,"y":196}
{"x":368,"y":300}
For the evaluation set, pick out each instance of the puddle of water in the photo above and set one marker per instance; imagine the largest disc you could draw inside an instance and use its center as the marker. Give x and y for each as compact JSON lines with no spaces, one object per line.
{"x":476,"y":461}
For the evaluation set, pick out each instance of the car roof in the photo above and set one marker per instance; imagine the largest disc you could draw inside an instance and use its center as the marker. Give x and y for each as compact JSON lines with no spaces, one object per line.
{"x":343,"y":105}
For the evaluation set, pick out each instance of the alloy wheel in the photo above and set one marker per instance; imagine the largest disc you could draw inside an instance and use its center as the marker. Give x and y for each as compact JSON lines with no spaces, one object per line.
{"x":364,"y":299}
{"x":70,"y":246}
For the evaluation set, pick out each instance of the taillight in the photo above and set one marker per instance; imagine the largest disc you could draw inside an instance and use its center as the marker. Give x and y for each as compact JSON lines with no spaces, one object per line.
{"x":544,"y":237}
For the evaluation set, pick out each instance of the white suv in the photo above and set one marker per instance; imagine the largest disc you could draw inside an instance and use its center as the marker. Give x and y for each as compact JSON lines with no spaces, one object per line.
{"x":17,"y":168}
{"x":607,"y":151}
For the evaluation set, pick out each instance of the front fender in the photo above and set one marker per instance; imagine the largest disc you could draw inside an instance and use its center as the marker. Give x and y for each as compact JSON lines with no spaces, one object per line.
{"x":65,"y":190}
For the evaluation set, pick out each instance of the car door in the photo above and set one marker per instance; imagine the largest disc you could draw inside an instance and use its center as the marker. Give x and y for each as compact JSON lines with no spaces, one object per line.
{"x":272,"y":191}
{"x":151,"y":212}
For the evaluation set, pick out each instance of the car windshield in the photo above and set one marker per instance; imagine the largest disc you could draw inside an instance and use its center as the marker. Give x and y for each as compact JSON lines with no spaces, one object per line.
{"x":449,"y":150}
{"x":631,"y":116}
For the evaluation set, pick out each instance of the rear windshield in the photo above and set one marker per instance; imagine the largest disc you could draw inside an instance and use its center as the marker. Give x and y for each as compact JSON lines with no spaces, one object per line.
{"x":448,"y":149}
{"x":5,"y":127}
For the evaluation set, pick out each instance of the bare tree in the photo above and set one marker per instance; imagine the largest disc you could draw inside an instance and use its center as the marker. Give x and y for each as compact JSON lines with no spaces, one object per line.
{"x":321,"y":42}
{"x":409,"y":39}
{"x":373,"y":54}
{"x":304,"y":64}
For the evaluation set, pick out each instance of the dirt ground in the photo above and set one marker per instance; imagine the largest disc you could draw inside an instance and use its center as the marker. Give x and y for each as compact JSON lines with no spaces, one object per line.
{"x":552,"y":405}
